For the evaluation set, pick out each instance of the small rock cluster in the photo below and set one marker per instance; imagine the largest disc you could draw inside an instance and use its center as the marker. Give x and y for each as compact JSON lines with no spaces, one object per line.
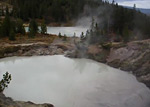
{"x":8,"y":102}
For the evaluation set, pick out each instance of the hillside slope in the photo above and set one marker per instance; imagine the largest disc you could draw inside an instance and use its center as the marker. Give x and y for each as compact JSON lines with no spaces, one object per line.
{"x":133,"y":57}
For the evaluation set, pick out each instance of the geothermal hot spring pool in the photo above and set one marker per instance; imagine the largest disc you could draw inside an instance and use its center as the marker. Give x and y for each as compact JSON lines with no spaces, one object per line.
{"x":68,"y":82}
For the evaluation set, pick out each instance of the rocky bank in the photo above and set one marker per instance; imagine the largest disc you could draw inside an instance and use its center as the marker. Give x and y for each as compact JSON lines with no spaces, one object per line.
{"x":133,"y":57}
{"x":31,"y":49}
{"x":8,"y":102}
{"x":35,"y":49}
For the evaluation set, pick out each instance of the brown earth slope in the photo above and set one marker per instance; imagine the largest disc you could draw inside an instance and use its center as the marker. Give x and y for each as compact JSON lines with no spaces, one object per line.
{"x":133,"y":57}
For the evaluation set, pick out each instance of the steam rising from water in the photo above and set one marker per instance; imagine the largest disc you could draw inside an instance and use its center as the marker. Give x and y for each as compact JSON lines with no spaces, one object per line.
{"x":68,"y":82}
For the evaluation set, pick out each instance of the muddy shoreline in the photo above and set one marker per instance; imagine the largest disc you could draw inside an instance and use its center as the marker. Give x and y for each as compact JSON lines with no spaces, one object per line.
{"x":33,"y":47}
{"x":133,"y":57}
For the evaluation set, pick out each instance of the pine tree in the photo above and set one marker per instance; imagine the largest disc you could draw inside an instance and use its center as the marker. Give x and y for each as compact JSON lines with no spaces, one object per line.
{"x":2,"y":12}
{"x":59,"y":35}
{"x":31,"y":33}
{"x":82,"y":36}
{"x":87,"y":34}
{"x":6,"y":26}
{"x":19,"y":27}
{"x":7,"y":11}
{"x":74,"y":35}
{"x":113,"y":2}
{"x":134,"y":7}
{"x":65,"y":37}
{"x":92,"y":23}
{"x":33,"y":28}
{"x":5,"y":81}
{"x":12,"y":35}
{"x":126,"y":34}
{"x":43,"y":28}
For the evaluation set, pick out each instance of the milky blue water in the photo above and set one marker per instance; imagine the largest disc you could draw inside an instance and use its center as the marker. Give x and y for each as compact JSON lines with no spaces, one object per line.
{"x":68,"y":82}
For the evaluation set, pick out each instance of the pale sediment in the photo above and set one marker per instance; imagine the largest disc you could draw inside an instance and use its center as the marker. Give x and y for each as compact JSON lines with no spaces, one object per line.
{"x":133,"y":57}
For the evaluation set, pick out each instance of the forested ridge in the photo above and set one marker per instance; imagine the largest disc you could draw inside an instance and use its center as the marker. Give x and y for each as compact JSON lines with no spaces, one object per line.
{"x":54,"y":10}
{"x":114,"y":18}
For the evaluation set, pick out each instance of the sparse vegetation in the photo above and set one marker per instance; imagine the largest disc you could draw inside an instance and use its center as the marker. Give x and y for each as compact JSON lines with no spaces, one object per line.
{"x":6,"y":27}
{"x":43,"y":28}
{"x":19,"y":27}
{"x":12,"y":35}
{"x":82,"y":36}
{"x":59,"y":35}
{"x":5,"y":81}
{"x":122,"y":22}
{"x":33,"y":29}
{"x":65,"y":37}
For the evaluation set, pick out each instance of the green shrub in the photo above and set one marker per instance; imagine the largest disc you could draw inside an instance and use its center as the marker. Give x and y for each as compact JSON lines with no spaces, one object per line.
{"x":106,"y":46}
{"x":33,"y":28}
{"x":12,"y":36}
{"x":43,"y":28}
{"x":5,"y":81}
{"x":59,"y":35}
{"x":65,"y":37}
